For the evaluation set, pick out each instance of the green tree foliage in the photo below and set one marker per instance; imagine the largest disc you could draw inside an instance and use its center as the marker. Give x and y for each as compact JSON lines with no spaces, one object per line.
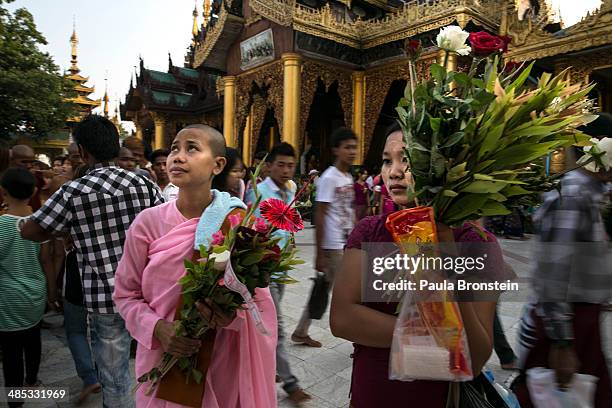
{"x":32,"y":89}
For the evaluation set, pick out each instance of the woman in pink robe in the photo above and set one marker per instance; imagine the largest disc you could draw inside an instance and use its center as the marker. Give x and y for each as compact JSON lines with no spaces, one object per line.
{"x":242,"y":370}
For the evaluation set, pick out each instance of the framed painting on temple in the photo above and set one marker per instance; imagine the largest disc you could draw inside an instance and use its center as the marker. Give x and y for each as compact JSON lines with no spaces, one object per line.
{"x":257,"y":50}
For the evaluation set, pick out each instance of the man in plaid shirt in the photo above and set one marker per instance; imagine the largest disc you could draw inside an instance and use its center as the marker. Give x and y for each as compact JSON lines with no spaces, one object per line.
{"x":560,"y":328}
{"x":96,"y":210}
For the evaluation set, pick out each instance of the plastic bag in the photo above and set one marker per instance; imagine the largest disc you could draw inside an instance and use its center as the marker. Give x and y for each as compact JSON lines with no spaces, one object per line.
{"x":429,"y":340}
{"x":544,"y":392}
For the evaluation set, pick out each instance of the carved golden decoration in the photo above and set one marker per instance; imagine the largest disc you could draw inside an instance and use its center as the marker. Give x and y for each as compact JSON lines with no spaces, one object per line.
{"x":532,"y":42}
{"x":278,"y":11}
{"x":267,"y":76}
{"x":411,"y":19}
{"x":311,"y":72}
{"x":260,"y":106}
{"x":253,"y":19}
{"x":378,"y":84}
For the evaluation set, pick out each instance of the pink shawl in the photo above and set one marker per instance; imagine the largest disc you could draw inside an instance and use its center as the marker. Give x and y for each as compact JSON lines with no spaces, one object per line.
{"x":243,"y":366}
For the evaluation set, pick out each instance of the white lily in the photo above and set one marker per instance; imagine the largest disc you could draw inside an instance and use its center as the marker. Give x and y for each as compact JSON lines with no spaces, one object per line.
{"x":221,"y":259}
{"x":453,"y":39}
{"x":601,"y":150}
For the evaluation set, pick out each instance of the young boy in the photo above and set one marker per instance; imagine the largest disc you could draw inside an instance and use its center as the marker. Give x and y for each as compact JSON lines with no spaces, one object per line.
{"x":22,"y":284}
{"x":335,"y":217}
{"x":281,"y":167}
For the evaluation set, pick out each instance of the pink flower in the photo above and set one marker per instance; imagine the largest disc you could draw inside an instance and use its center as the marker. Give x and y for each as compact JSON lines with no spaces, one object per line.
{"x":235,"y":219}
{"x":221,"y":282}
{"x":260,"y":226}
{"x":218,"y":238}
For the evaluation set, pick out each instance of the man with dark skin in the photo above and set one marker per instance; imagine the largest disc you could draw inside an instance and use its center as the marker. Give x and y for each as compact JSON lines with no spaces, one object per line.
{"x":126,"y":159}
{"x":137,"y":148}
{"x":23,"y":156}
{"x":74,"y":156}
{"x":158,"y":164}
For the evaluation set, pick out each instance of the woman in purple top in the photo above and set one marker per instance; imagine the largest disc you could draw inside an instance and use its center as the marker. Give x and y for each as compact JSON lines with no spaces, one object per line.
{"x":370,"y":325}
{"x":361,"y":194}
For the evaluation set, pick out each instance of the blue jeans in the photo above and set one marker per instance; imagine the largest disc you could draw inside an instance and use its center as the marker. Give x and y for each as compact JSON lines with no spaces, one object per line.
{"x":75,"y":324}
{"x":110,"y":342}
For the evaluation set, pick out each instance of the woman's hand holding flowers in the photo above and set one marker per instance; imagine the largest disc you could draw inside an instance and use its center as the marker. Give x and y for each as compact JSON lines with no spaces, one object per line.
{"x":178,"y":346}
{"x":211,"y":313}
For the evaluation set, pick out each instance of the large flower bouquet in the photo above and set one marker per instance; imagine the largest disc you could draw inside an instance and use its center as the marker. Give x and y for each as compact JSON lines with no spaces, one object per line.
{"x":228,"y":272}
{"x":474,"y":141}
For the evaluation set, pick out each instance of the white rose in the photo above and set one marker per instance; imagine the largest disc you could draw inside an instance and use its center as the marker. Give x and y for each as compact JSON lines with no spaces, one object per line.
{"x":603,"y":145}
{"x":452,"y":39}
{"x":221,"y":259}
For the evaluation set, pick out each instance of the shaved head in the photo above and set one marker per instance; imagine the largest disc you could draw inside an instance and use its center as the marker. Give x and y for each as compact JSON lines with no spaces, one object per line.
{"x":22,"y":156}
{"x":215,"y":139}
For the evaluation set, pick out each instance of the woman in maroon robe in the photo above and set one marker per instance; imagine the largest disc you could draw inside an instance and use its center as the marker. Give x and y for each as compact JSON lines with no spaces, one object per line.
{"x":370,"y":325}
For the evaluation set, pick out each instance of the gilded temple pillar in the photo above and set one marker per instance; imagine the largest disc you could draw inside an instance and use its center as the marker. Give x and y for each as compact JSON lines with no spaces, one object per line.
{"x":359,"y":85}
{"x":229,"y":110}
{"x":452,"y":60}
{"x":139,"y":132}
{"x":160,"y":131}
{"x":291,"y":99}
{"x":247,"y":138}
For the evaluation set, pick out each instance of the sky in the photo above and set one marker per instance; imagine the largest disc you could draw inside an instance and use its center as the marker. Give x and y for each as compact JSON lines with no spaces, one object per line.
{"x":572,"y":11}
{"x":112,"y":34}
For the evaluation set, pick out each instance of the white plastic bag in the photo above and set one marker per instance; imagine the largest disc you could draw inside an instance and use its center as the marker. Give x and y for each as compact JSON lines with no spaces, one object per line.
{"x":544,"y":392}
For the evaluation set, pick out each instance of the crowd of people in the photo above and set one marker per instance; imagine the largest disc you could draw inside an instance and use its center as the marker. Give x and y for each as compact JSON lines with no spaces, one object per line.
{"x":103,"y":232}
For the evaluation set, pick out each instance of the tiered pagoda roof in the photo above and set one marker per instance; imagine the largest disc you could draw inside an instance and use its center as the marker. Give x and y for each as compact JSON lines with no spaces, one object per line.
{"x":82,"y":100}
{"x":179,"y":90}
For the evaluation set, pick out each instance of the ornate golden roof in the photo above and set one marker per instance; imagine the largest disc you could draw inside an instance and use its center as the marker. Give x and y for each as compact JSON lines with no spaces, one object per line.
{"x":410,"y":19}
{"x":530,"y":40}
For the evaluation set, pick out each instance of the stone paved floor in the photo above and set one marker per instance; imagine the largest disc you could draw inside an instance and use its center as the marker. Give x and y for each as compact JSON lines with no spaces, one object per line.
{"x":324,"y":373}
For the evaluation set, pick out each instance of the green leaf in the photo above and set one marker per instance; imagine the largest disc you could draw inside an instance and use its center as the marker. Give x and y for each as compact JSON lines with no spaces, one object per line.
{"x":449,"y":193}
{"x":252,"y":258}
{"x":491,"y":140}
{"x":197,"y":375}
{"x":435,"y":124}
{"x":491,"y":208}
{"x":453,"y":139}
{"x":457,"y":172}
{"x":497,"y":197}
{"x":483,"y":177}
{"x":438,"y":72}
{"x":463,"y":208}
{"x":523,"y":153}
{"x":483,"y":187}
{"x":514,"y":190}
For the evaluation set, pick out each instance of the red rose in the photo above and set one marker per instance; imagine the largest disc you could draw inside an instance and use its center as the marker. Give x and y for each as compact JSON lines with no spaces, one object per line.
{"x":484,"y":44}
{"x":413,"y":48}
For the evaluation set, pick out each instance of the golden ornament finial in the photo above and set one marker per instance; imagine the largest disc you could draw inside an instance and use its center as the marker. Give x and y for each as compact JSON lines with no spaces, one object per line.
{"x":105,"y":99}
{"x":195,"y":30}
{"x":74,"y":41}
{"x":206,"y":12}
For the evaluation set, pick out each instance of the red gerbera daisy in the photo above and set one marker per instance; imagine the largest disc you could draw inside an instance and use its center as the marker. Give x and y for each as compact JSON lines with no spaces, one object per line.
{"x":281,"y":215}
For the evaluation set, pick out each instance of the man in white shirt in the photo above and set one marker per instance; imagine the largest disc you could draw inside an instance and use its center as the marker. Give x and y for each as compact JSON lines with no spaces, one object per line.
{"x":335,"y":217}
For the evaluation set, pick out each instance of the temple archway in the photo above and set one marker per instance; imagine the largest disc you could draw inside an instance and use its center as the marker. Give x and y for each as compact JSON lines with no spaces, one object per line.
{"x":385,"y":119}
{"x":325,"y":115}
{"x":602,"y":77}
{"x":268,"y":133}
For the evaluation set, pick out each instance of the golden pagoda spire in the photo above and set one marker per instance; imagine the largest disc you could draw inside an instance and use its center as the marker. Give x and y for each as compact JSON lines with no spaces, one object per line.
{"x":195,"y":30}
{"x":206,"y":12}
{"x":74,"y":41}
{"x":105,"y":99}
